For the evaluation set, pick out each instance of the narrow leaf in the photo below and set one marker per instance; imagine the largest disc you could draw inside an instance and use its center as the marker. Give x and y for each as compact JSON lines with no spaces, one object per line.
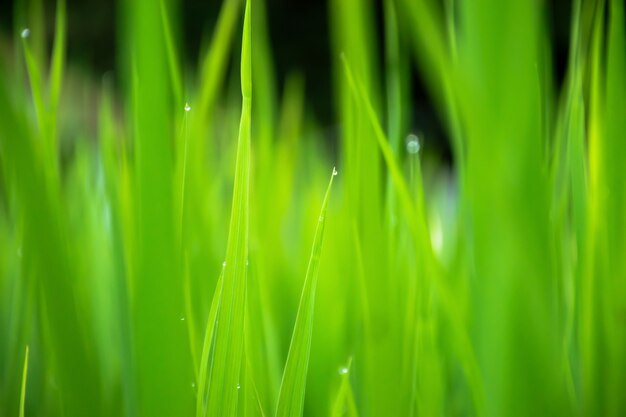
{"x":291,"y":397}
{"x":229,"y":327}
{"x":23,"y":393}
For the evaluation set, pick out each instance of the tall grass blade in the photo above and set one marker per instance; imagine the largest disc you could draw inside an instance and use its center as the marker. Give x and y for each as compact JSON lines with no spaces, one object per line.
{"x":164,"y":366}
{"x":24,"y":375}
{"x":229,"y":331}
{"x":291,"y":396}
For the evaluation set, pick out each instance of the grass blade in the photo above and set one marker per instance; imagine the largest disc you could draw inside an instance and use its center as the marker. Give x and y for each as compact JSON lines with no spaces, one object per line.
{"x":172,"y":57}
{"x":416,"y":218}
{"x":229,"y":337}
{"x":291,"y":397}
{"x":164,"y":366}
{"x":58,"y":57}
{"x":23,"y":393}
{"x":206,"y":349}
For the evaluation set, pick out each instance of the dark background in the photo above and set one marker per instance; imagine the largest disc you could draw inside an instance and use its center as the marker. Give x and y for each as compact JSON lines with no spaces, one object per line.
{"x":299,"y":36}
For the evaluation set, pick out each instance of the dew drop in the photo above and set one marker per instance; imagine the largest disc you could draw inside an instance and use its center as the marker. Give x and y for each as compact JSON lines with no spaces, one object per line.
{"x":334,"y":171}
{"x":224,"y":263}
{"x":25,"y":33}
{"x":343,"y":370}
{"x":193,"y":385}
{"x":182,"y":319}
{"x":187,"y":107}
{"x":238,"y":386}
{"x":412,"y":144}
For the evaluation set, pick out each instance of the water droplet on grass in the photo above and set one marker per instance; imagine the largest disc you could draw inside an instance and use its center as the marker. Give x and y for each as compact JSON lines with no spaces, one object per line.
{"x":334,"y":171}
{"x":25,"y":33}
{"x":412,"y":144}
{"x":187,"y":107}
{"x":343,"y":370}
{"x":182,"y":319}
{"x":238,"y":386}
{"x":224,"y":263}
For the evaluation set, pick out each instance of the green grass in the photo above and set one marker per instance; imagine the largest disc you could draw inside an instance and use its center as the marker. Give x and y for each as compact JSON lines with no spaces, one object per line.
{"x":173,"y":260}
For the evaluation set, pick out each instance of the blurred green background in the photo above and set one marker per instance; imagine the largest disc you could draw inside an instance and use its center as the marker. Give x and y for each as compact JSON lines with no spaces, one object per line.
{"x":342,"y":208}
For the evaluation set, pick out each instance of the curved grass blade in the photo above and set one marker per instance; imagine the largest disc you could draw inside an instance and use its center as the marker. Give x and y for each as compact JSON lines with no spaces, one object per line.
{"x":291,"y":396}
{"x":229,"y":327}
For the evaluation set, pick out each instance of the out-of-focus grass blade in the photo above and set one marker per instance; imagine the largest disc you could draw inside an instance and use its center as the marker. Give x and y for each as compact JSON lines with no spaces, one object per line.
{"x":47,"y":257}
{"x":214,"y":63}
{"x":397,"y":100}
{"x":590,"y":302}
{"x":397,"y":77}
{"x":229,"y":331}
{"x":425,"y":25}
{"x":163,"y":363}
{"x":291,"y":396}
{"x":58,"y":58}
{"x":172,"y":57}
{"x":264,"y":84}
{"x":23,"y":392}
{"x":416,"y":217}
{"x":604,"y":341}
{"x":36,"y":85}
{"x":514,"y":321}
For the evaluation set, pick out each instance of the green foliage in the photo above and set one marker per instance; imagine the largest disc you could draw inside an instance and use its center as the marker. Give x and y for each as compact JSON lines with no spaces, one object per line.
{"x":152,"y":265}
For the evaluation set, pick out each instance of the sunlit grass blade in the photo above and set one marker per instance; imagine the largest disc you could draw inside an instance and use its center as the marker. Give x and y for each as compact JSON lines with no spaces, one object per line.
{"x":589,"y":287}
{"x":291,"y":396}
{"x":604,"y":341}
{"x":23,"y":392}
{"x":229,"y":331}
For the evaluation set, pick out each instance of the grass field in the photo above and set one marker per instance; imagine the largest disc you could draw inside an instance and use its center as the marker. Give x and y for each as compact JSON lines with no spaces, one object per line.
{"x":189,"y":243}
